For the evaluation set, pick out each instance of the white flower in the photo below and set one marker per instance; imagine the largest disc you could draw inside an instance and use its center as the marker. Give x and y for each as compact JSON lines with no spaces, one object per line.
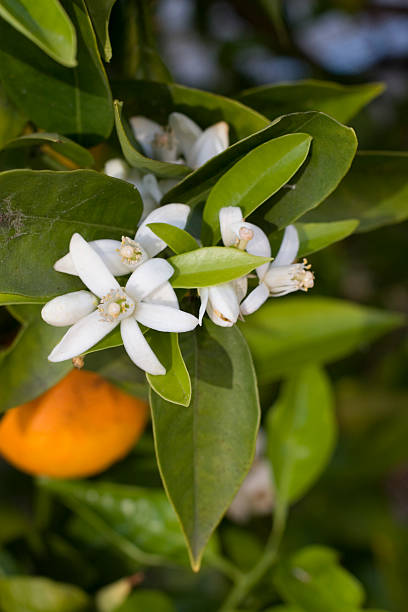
{"x":182,"y":137}
{"x":281,"y":276}
{"x":222,"y":301}
{"x":144,"y":299}
{"x":124,"y":257}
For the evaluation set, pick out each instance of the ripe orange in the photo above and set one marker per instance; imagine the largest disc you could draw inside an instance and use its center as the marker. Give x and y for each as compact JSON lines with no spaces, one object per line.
{"x":77,"y":428}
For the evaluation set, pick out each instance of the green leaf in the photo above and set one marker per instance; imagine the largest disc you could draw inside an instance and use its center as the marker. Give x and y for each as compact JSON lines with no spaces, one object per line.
{"x":253,"y":179}
{"x":145,"y":600}
{"x":147,"y":61}
{"x":177,"y":239}
{"x":39,"y":213}
{"x":138,"y":160}
{"x":313,"y":580}
{"x":45,"y":23}
{"x":301,"y":432}
{"x":175,"y":385}
{"x":25,"y":371}
{"x":288,"y":333}
{"x":341,"y":102}
{"x":316,"y":236}
{"x":212,"y":442}
{"x":99,"y":11}
{"x":60,"y":144}
{"x":81,"y":98}
{"x":12,"y":120}
{"x":212,"y":266}
{"x":375,"y":192}
{"x":35,"y":594}
{"x":7,"y":299}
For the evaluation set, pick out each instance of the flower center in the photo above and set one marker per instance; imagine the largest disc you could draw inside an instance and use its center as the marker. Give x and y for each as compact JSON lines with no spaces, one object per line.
{"x":116,"y":305}
{"x":130,"y":252}
{"x":164,"y":139}
{"x":303,"y":276}
{"x":245,"y":235}
{"x":281,"y":280}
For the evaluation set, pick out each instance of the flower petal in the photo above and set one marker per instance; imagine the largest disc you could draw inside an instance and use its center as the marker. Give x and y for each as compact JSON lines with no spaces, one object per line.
{"x":255,"y":299}
{"x":224,"y":301}
{"x":213,"y":140}
{"x":148,"y":277}
{"x":107,"y":251}
{"x":173,"y":214}
{"x":215,"y":318}
{"x":81,"y":336}
{"x":289,"y":247}
{"x":203,"y":293}
{"x":229,"y":216}
{"x":240,"y":286}
{"x":164,"y":295}
{"x":138,"y":349}
{"x":145,"y":130}
{"x":185,"y":130}
{"x":90,"y":267}
{"x":259,"y":245}
{"x":164,"y":318}
{"x":116,"y":168}
{"x":69,"y":308}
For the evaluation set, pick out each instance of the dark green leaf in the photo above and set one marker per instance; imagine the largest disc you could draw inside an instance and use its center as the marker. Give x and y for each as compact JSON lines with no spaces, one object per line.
{"x":287,"y":333}
{"x":147,"y":61}
{"x":146,"y":600}
{"x":301,"y":432}
{"x":40,"y":211}
{"x":175,"y":385}
{"x":341,"y":102}
{"x":99,"y":11}
{"x":12,"y":120}
{"x":253,"y":179}
{"x":81,"y":98}
{"x":60,"y":144}
{"x":212,"y":266}
{"x":205,"y":451}
{"x":35,"y":594}
{"x":25,"y":371}
{"x":177,"y":239}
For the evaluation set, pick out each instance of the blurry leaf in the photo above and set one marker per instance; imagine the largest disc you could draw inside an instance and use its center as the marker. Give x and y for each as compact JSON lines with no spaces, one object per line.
{"x":313,"y":580}
{"x":375,"y":192}
{"x":110,"y":597}
{"x":45,"y":23}
{"x":64,"y":146}
{"x":341,"y":102}
{"x":175,"y":385}
{"x":212,"y":266}
{"x":146,"y":600}
{"x":34,"y":594}
{"x":12,"y":120}
{"x":301,"y":432}
{"x":253,"y":179}
{"x":177,"y":239}
{"x":140,"y":161}
{"x":13,"y":524}
{"x":81,"y":98}
{"x":99,"y":11}
{"x":286,"y":334}
{"x":147,"y":61}
{"x":236,"y":540}
{"x":316,"y":236}
{"x":211,"y":443}
{"x":40,"y":211}
{"x":8,"y":565}
{"x":25,"y":371}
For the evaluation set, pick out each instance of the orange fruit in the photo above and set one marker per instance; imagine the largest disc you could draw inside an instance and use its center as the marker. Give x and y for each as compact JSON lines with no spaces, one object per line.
{"x":77,"y":428}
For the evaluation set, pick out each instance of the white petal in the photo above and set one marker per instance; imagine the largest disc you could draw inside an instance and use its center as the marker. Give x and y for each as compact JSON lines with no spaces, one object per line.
{"x":173,"y":214}
{"x":138,"y":349}
{"x":117,"y":168}
{"x":185,"y":130}
{"x":148,"y":277}
{"x":224,"y":300}
{"x":240,"y":286}
{"x":255,"y":299}
{"x":145,"y":130}
{"x":69,"y":308}
{"x":106,"y":249}
{"x":151,"y":194}
{"x":164,"y":295}
{"x":215,"y":318}
{"x":214,"y":140}
{"x":164,"y":318}
{"x":228,"y":216}
{"x":203,"y":293}
{"x":90,"y":267}
{"x":81,"y":336}
{"x":259,"y":245}
{"x":166,"y":184}
{"x":289,"y":247}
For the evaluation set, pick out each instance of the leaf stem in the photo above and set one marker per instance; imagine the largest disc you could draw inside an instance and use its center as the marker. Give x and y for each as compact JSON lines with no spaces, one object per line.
{"x":246,"y":583}
{"x":224,"y":566}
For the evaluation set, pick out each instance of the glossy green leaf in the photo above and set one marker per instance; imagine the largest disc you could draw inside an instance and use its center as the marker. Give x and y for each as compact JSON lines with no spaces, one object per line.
{"x":254,"y":179}
{"x":301,"y":432}
{"x":212,"y":266}
{"x":287,"y":333}
{"x":316,"y":236}
{"x":175,"y":385}
{"x":375,"y":192}
{"x":12,"y":120}
{"x":60,"y":144}
{"x":25,"y":371}
{"x":45,"y":23}
{"x":81,"y":98}
{"x":7,"y":299}
{"x":211,"y":443}
{"x":147,"y":62}
{"x":39,"y":213}
{"x":146,"y":600}
{"x":177,"y":239}
{"x":35,"y":594}
{"x":313,"y":580}
{"x":137,"y":159}
{"x":341,"y":102}
{"x":99,"y":11}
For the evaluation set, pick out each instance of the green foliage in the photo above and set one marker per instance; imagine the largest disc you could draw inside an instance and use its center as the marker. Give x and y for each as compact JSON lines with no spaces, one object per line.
{"x":177,"y":239}
{"x":60,"y":144}
{"x":99,"y":11}
{"x":34,"y":594}
{"x":147,"y":600}
{"x":175,"y":385}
